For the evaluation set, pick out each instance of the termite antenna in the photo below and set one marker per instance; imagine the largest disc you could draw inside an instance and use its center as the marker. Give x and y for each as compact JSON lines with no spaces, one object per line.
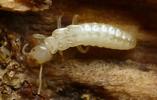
{"x":24,"y":49}
{"x":79,"y":48}
{"x":40,"y":79}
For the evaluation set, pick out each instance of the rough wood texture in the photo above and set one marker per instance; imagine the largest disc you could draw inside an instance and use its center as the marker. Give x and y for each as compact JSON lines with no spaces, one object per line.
{"x":112,"y":77}
{"x":24,"y":5}
{"x":123,"y":80}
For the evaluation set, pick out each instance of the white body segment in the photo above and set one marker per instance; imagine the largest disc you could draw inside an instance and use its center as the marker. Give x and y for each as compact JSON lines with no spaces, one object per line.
{"x":90,"y":34}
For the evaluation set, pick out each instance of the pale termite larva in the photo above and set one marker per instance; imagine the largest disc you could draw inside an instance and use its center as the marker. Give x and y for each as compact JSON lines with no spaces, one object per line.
{"x":88,"y":34}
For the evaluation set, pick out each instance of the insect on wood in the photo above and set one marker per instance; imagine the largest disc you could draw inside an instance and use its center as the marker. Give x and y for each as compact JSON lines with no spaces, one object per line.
{"x":86,"y":34}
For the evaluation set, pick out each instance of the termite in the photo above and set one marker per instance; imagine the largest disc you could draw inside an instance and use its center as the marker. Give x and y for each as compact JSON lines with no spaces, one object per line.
{"x":86,"y":34}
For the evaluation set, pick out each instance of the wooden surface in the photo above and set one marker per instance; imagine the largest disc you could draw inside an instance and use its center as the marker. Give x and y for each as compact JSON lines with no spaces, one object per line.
{"x":138,"y":17}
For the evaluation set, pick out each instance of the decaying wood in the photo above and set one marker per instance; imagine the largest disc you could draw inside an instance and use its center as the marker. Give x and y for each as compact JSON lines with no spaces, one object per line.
{"x":124,"y":80}
{"x":118,"y":74}
{"x":24,"y":5}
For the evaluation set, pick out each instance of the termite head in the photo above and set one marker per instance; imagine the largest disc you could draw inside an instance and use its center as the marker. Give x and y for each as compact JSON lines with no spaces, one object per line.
{"x":39,"y":54}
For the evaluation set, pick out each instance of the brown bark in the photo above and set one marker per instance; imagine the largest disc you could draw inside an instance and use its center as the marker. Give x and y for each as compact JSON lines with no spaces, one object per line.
{"x":24,"y":5}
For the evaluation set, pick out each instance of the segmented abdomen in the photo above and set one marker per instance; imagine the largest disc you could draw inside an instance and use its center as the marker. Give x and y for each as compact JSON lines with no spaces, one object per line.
{"x":90,"y":34}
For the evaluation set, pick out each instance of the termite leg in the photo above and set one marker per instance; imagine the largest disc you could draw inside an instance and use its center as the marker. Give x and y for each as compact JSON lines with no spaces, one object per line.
{"x":79,"y":48}
{"x":75,"y":19}
{"x":83,"y":49}
{"x":85,"y":96}
{"x":62,"y":55}
{"x":39,"y":36}
{"x":59,"y":25}
{"x":59,"y":22}
{"x":40,"y":79}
